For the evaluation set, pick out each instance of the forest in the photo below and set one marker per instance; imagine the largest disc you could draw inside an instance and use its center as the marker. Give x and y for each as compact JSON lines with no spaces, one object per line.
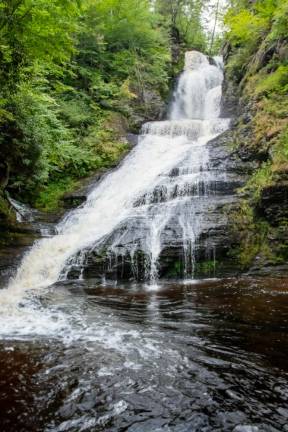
{"x":78,"y":76}
{"x":143,"y":215}
{"x":74,"y":76}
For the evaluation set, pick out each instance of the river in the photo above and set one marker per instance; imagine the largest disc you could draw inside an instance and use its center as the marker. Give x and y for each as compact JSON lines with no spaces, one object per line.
{"x":196,"y":356}
{"x":128,"y":349}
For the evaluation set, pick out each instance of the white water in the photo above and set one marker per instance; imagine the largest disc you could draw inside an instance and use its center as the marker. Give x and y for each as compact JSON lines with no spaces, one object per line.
{"x":23,"y":212}
{"x":179,"y":142}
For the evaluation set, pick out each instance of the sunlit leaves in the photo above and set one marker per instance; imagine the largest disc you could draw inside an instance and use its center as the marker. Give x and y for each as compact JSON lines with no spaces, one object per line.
{"x":245,"y":26}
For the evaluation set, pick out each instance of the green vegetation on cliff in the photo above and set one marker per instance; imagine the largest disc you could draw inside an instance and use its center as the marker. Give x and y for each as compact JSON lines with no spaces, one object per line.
{"x":77,"y":75}
{"x":70,"y":73}
{"x":257,"y":65}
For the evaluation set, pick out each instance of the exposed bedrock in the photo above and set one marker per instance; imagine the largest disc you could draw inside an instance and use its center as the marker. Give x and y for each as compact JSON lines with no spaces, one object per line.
{"x":124,"y":253}
{"x":273,"y":204}
{"x":181,"y":227}
{"x":259,"y":233}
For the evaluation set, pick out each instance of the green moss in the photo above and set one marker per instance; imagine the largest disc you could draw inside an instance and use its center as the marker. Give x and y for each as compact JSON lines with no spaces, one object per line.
{"x":276,"y":105}
{"x":262,"y":178}
{"x":276,"y":81}
{"x":258,"y":62}
{"x":206,"y":267}
{"x":49,"y":198}
{"x":236,"y":66}
{"x":280,"y":154}
{"x":249,"y":234}
{"x":175,"y":270}
{"x":283,"y":251}
{"x":254,"y":239}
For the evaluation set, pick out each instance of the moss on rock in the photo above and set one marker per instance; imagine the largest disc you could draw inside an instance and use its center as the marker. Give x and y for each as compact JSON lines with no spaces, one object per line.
{"x":259,"y":75}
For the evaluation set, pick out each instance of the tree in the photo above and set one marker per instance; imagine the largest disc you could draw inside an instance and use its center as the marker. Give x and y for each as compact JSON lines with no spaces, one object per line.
{"x":184,"y":18}
{"x":36,"y":41}
{"x":216,"y":14}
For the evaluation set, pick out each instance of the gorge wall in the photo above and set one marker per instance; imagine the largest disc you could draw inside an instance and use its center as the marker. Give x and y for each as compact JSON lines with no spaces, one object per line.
{"x":242,"y":227}
{"x":255,"y":95}
{"x":161,"y":212}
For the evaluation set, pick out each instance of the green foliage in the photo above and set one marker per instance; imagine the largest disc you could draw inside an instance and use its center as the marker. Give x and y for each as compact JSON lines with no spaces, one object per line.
{"x":6,"y":215}
{"x":263,"y":177}
{"x":251,"y":238}
{"x":280,"y":153}
{"x":175,"y":269}
{"x":237,"y":65}
{"x":126,"y":24}
{"x":276,"y":81}
{"x":280,"y":20}
{"x":245,"y":27}
{"x":275,"y":105}
{"x":74,"y":76}
{"x":184,"y":20}
{"x":49,"y":197}
{"x":248,"y":22}
{"x":36,"y":30}
{"x":206,"y":267}
{"x":257,"y":32}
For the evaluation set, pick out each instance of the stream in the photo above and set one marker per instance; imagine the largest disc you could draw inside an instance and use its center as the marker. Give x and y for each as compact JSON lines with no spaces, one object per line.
{"x":201,"y":356}
{"x":132,"y":350}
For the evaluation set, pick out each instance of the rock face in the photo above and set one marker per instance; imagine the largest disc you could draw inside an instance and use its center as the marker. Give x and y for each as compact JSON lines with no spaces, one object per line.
{"x":211,"y":251}
{"x":207,"y":202}
{"x":273,"y":204}
{"x":149,"y":106}
{"x":260,"y":234}
{"x":219,"y":202}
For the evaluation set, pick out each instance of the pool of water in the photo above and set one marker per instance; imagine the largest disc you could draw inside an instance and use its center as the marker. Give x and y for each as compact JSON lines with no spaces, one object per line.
{"x":197,"y":356}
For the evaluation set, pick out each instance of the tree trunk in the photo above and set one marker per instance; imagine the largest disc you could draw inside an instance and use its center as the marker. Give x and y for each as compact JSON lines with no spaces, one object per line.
{"x":215,"y":25}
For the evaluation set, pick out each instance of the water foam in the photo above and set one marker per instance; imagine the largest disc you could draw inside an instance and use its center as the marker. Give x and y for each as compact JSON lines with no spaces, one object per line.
{"x":180,"y":141}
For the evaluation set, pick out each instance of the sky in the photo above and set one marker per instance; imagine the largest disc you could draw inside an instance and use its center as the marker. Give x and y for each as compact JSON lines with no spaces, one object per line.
{"x":209,"y":16}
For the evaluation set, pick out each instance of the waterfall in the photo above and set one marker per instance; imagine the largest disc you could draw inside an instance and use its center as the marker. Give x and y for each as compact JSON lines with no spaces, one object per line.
{"x":140,"y":198}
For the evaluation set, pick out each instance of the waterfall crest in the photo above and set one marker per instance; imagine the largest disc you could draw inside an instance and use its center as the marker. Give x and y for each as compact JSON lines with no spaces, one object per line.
{"x":131,"y":207}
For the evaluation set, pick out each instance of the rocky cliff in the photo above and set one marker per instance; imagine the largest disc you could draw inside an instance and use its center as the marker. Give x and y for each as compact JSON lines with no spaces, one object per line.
{"x":245,"y":225}
{"x":244,"y":220}
{"x":256,"y":97}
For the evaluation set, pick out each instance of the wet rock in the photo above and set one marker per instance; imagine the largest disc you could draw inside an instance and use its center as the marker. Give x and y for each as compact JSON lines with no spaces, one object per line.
{"x":252,"y":150}
{"x":149,"y":106}
{"x":86,"y":185}
{"x":74,"y":199}
{"x":230,"y":153}
{"x":121,"y":261}
{"x":68,"y":410}
{"x":115,"y":262}
{"x":273,"y":205}
{"x":230,"y":100}
{"x":283,"y":412}
{"x":264,"y":54}
{"x":246,"y":428}
{"x":132,"y":139}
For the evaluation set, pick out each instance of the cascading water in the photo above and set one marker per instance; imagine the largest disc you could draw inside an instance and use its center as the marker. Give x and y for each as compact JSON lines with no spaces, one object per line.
{"x":141,"y":197}
{"x":209,"y":355}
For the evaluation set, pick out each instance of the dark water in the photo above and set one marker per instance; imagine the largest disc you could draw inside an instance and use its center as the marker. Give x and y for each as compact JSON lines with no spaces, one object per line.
{"x":204,"y":356}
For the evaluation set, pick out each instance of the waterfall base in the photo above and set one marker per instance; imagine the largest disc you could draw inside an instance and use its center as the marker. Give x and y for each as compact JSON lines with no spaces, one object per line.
{"x":210,"y":256}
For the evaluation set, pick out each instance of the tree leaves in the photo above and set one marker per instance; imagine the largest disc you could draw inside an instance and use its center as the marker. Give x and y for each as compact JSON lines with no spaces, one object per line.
{"x":66,"y":67}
